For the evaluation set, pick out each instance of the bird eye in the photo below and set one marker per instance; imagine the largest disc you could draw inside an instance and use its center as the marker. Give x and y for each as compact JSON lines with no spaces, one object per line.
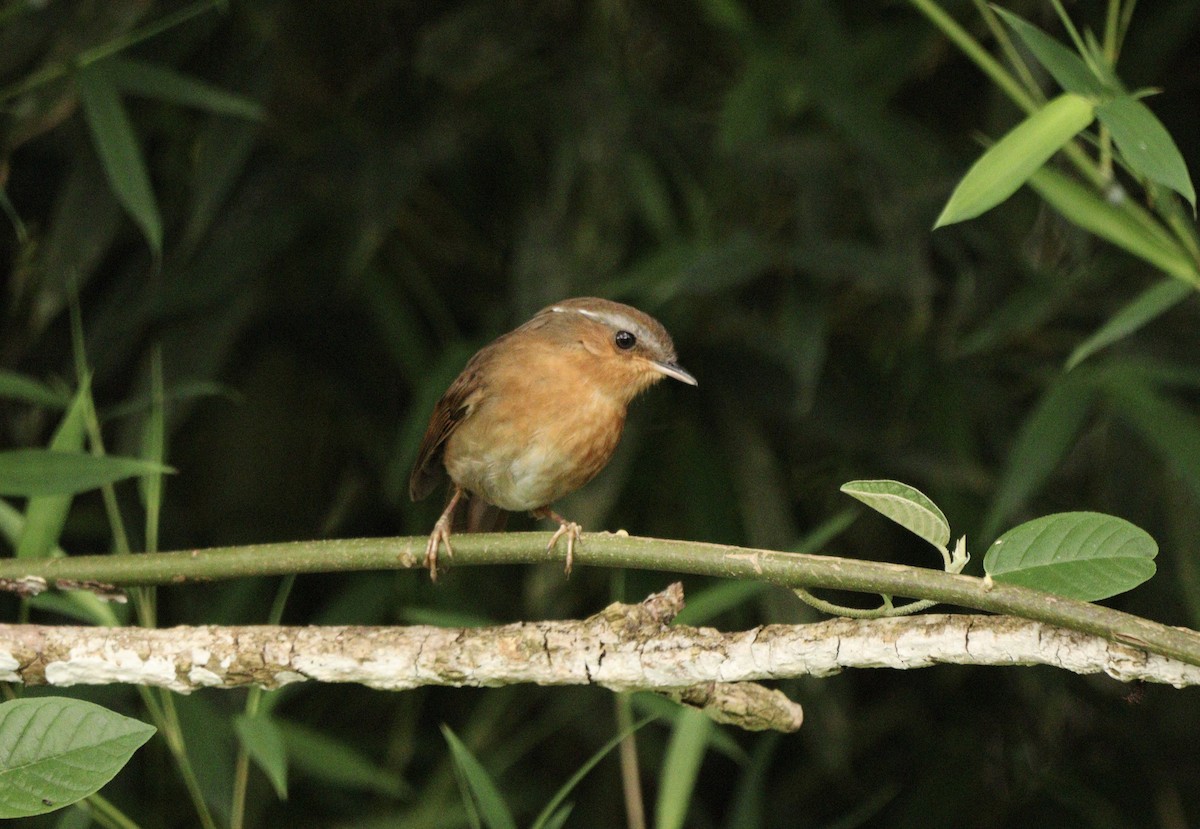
{"x":625,"y":340}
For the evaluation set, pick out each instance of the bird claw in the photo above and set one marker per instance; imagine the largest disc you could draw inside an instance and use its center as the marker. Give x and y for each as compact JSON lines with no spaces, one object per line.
{"x":572,"y":531}
{"x":439,"y":536}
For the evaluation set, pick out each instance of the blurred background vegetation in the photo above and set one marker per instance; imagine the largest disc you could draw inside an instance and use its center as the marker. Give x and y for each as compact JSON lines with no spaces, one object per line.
{"x":763,"y":178}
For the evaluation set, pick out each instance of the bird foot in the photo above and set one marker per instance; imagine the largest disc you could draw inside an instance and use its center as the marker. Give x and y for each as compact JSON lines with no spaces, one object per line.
{"x":441,"y":535}
{"x":570,"y":529}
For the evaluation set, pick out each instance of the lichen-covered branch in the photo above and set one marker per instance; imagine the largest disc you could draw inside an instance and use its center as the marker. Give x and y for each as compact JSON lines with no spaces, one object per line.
{"x":624,"y":647}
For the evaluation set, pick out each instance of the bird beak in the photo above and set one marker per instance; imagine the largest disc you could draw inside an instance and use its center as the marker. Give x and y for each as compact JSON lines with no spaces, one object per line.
{"x":674,"y":370}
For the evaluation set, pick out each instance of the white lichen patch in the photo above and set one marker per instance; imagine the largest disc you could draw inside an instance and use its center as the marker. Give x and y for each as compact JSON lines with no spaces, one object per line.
{"x":204,"y":677}
{"x":112,"y":665}
{"x":288,"y":677}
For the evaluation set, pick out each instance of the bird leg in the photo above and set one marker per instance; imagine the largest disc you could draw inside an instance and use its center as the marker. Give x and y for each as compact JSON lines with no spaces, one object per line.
{"x":568,"y":528}
{"x":441,"y":534}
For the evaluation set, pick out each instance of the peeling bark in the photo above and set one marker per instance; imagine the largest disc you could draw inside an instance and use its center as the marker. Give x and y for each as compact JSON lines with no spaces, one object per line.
{"x":624,"y":648}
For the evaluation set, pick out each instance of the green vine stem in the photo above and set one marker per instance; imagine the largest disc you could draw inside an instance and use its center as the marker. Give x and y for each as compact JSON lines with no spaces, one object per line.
{"x":789,"y":570}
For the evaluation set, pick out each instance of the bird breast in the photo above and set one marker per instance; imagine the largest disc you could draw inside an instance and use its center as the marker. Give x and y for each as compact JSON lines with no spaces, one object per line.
{"x":522,"y":451}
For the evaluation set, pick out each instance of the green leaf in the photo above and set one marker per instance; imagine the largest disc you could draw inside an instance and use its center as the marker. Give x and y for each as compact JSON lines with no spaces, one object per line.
{"x":117,"y":146}
{"x":1014,"y":158}
{"x":1123,"y":224}
{"x":1047,"y":434}
{"x":324,"y":758}
{"x":705,"y":605}
{"x":154,"y":440}
{"x":906,"y":505}
{"x":1080,"y":555}
{"x":55,"y":751}
{"x":263,"y":741}
{"x":46,"y":515}
{"x":1170,"y":429}
{"x":1148,"y":305}
{"x":1146,"y":145}
{"x":1069,"y":70}
{"x":552,"y":815}
{"x":15,"y":386}
{"x":477,"y":785}
{"x":135,"y":77}
{"x":45,"y":472}
{"x":558,"y":819}
{"x":689,"y":741}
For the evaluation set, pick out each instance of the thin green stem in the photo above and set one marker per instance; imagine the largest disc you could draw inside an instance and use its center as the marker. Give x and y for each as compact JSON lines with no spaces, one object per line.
{"x":241,"y":772}
{"x":175,"y":742}
{"x":603,"y":550}
{"x":1005,"y":81}
{"x":631,"y":779}
{"x":55,"y":71}
{"x":1111,"y":29}
{"x":980,"y":56}
{"x":106,"y":814}
{"x":886,"y":610}
{"x":1010,"y":52}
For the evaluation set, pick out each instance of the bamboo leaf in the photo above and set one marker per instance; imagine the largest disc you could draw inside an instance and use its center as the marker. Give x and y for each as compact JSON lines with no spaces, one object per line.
{"x":1146,"y":145}
{"x":45,"y":515}
{"x":478,"y":786}
{"x":685,"y":751}
{"x":1108,"y":221}
{"x":1170,"y":429}
{"x":263,"y":741}
{"x":1014,"y":158}
{"x":1069,"y":70}
{"x":46,"y":472}
{"x":554,"y":813}
{"x":324,"y":758}
{"x":136,"y":77}
{"x":15,"y":386}
{"x":1147,"y":306}
{"x":1044,"y":439}
{"x":116,"y":144}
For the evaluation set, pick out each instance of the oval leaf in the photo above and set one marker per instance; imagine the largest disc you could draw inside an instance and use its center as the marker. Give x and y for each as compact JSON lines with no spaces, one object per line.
{"x":906,"y":505}
{"x":1146,"y":145}
{"x":1014,"y":158}
{"x":1080,"y":555}
{"x":44,"y":472}
{"x":55,"y":751}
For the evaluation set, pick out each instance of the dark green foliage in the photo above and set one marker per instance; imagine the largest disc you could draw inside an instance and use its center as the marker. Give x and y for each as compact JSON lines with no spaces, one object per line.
{"x":763,"y":179}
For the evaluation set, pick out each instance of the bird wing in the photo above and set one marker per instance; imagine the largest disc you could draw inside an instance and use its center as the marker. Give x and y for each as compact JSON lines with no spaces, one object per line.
{"x":452,"y":409}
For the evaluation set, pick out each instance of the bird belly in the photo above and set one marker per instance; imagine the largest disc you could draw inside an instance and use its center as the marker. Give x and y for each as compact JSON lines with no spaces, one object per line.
{"x":498,"y":456}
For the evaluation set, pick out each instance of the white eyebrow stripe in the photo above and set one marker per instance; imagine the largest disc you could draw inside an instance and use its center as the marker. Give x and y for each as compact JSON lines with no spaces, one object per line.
{"x":615,"y":320}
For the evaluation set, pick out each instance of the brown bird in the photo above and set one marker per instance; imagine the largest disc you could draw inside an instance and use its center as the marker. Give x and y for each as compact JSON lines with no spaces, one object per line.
{"x":537,"y":413}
